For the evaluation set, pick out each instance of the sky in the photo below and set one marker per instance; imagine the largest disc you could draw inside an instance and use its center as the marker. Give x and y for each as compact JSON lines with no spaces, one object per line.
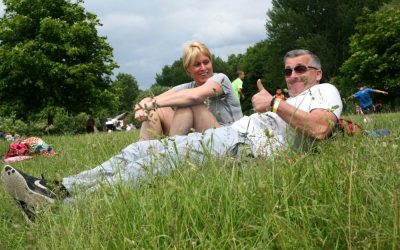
{"x":147,"y":35}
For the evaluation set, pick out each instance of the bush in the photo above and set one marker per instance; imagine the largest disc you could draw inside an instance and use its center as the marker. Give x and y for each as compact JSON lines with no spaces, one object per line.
{"x":12,"y":125}
{"x":66,"y":124}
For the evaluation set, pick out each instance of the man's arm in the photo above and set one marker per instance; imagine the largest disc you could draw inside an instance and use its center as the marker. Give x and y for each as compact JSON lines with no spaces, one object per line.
{"x":380,"y":91}
{"x":241,"y":93}
{"x":317,"y":123}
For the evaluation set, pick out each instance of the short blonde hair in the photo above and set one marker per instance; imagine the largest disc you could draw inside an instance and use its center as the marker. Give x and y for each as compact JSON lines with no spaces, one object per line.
{"x":191,"y":51}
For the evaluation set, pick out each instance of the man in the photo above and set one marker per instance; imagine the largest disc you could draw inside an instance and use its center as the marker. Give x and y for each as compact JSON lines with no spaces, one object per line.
{"x":309,"y":115}
{"x":363,"y":96}
{"x":238,"y":85}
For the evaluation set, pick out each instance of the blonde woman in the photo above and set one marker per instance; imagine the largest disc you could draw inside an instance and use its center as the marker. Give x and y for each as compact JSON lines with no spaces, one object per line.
{"x":208,"y":101}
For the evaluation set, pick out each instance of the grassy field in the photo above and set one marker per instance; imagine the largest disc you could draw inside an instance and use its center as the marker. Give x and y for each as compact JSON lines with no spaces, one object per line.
{"x":344,"y":194}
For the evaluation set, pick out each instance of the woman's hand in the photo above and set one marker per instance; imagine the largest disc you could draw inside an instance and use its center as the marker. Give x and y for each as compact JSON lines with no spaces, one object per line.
{"x":142,"y":109}
{"x":141,"y":115}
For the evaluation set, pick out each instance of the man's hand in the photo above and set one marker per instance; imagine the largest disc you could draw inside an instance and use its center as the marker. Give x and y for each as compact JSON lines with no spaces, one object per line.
{"x":262,"y":100}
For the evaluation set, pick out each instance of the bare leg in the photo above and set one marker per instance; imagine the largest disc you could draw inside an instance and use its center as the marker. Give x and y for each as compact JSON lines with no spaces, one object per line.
{"x":197,"y":117}
{"x":182,"y":122}
{"x":158,"y":123}
{"x":203,"y":118}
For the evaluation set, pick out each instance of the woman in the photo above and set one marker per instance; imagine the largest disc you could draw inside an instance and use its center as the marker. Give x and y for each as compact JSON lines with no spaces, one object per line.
{"x":208,"y":101}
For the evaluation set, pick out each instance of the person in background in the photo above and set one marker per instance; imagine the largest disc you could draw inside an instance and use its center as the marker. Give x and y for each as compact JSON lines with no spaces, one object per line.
{"x":309,"y":115}
{"x":238,"y":85}
{"x":359,"y":110}
{"x":378,"y":107}
{"x":363,"y":96}
{"x":90,"y":125}
{"x":206,"y":102}
{"x":279,"y":94}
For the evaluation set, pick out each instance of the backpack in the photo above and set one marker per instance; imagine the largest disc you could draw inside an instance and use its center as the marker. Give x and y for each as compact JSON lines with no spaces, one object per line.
{"x":17,"y":149}
{"x":349,"y":127}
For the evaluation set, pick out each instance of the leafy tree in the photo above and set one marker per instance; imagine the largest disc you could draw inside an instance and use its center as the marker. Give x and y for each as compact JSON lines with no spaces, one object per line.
{"x":253,"y":63}
{"x":52,"y":56}
{"x":126,"y":88}
{"x":172,"y":75}
{"x":219,"y":65}
{"x":375,"y":53}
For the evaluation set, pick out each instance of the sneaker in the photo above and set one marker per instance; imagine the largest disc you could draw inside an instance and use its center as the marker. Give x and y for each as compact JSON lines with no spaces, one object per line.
{"x":31,"y":192}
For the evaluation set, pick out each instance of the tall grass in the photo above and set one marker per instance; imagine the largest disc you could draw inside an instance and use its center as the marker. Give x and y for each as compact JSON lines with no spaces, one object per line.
{"x":344,"y":194}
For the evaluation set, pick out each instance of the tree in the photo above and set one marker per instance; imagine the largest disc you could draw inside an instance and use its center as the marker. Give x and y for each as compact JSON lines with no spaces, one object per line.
{"x":126,"y":89}
{"x":375,"y":53}
{"x":253,"y":63}
{"x":172,"y":75}
{"x":52,"y":56}
{"x":234,"y":64}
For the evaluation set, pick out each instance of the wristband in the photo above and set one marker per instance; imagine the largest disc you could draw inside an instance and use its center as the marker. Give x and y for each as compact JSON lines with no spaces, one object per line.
{"x":272,"y":103}
{"x":276,"y":105}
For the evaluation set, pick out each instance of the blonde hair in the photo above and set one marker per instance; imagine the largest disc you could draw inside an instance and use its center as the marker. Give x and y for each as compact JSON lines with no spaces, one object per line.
{"x":191,"y":51}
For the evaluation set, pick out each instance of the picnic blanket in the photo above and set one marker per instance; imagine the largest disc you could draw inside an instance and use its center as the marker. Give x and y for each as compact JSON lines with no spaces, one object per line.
{"x":26,"y":149}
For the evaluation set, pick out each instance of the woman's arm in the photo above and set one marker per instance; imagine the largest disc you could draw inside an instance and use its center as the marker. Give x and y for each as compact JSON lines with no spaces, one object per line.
{"x":187,"y":97}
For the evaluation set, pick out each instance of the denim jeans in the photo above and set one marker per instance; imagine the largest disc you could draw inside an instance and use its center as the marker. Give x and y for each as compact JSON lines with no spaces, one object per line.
{"x":155,"y":157}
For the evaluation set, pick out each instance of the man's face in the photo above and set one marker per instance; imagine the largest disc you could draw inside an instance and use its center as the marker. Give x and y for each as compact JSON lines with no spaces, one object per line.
{"x":303,"y":75}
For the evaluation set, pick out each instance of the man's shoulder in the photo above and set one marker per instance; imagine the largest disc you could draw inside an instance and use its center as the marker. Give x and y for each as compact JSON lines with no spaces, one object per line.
{"x":237,"y":80}
{"x":324,"y":87}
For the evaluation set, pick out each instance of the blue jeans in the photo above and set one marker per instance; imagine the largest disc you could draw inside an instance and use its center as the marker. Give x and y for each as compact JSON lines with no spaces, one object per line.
{"x":154,"y":157}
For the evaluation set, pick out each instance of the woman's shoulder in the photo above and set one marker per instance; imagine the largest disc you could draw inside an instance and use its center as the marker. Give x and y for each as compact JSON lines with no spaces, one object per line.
{"x":220,"y":78}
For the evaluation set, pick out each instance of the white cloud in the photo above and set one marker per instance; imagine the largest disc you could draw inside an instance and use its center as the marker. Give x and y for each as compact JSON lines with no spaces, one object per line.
{"x":146,"y":35}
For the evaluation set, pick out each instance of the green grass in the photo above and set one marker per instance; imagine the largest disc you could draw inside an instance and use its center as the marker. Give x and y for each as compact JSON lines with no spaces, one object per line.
{"x":344,"y":194}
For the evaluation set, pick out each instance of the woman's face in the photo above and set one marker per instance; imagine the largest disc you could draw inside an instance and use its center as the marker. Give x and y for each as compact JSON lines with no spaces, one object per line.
{"x":201,"y":69}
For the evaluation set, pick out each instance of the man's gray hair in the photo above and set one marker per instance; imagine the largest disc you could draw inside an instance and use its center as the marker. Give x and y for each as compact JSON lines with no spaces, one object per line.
{"x":315,"y":62}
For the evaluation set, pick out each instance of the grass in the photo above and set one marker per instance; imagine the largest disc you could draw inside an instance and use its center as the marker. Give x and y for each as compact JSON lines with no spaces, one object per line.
{"x":344,"y":194}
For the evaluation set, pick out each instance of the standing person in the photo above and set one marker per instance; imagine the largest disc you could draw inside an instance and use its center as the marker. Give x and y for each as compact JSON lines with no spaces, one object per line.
{"x":363,"y":95}
{"x":359,"y":110}
{"x":307,"y":116}
{"x":206,"y":102}
{"x":279,"y":94}
{"x":90,"y":125}
{"x":238,"y":85}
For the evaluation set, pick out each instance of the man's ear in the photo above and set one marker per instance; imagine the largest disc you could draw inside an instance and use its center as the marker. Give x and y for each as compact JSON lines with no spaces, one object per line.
{"x":319,"y":75}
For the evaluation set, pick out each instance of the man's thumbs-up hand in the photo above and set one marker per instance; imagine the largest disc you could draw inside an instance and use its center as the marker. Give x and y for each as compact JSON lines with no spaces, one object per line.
{"x":262,"y":100}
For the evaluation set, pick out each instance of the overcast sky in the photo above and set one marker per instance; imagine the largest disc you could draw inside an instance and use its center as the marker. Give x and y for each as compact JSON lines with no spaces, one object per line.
{"x":146,"y":35}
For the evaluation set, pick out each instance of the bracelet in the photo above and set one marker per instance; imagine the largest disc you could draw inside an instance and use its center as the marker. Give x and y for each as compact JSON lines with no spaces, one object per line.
{"x":272,"y":103}
{"x":276,"y":105}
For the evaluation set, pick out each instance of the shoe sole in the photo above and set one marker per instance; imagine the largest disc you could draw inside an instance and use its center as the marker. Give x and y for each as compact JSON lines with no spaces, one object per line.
{"x":15,"y":184}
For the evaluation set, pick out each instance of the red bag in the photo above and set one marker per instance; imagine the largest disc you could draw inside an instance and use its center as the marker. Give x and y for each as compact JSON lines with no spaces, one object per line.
{"x":349,"y":127}
{"x":17,"y":149}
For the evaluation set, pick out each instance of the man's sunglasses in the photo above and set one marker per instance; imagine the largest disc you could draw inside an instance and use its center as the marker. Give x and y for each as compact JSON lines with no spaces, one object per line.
{"x":299,"y":69}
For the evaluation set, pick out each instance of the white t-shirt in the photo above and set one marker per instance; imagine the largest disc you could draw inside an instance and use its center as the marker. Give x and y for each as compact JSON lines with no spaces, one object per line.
{"x":267,"y":132}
